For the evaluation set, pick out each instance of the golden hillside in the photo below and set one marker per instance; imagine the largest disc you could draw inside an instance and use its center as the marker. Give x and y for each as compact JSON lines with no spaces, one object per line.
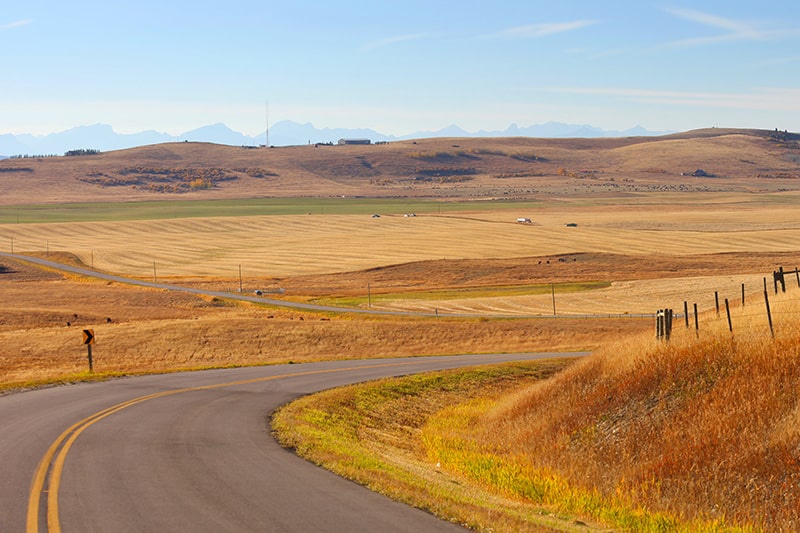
{"x":734,"y":160}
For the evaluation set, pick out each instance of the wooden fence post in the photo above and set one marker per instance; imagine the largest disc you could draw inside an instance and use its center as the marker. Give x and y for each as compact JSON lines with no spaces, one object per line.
{"x":668,"y":313}
{"x":686,"y":313}
{"x":742,"y":294}
{"x":659,"y":323}
{"x":769,"y":314}
{"x":728,"y":312}
{"x":696,"y":324}
{"x":716,"y":301}
{"x":777,"y":277}
{"x":664,"y":324}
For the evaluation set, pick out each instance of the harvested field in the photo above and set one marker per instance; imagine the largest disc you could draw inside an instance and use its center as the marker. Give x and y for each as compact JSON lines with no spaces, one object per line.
{"x":635,"y":297}
{"x":282,"y":246}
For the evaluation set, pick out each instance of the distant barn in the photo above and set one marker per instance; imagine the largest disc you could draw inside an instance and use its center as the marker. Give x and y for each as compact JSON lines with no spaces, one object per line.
{"x":354,"y":141}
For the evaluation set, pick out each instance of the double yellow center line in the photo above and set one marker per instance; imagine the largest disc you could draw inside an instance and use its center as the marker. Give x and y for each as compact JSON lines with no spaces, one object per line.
{"x":56,"y":455}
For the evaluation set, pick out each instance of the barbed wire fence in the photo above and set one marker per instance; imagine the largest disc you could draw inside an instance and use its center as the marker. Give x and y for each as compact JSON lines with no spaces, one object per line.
{"x":739,"y":316}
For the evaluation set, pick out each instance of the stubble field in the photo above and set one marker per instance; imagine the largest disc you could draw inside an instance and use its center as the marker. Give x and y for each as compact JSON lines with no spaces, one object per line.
{"x":281,"y":246}
{"x":633,"y":257}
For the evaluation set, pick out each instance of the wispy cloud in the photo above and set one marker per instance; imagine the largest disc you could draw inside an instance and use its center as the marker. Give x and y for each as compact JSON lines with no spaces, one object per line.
{"x":764,"y":99}
{"x":733,"y":26}
{"x":533,"y":31}
{"x":16,"y":24}
{"x":777,"y":61}
{"x":731,"y":30}
{"x":393,"y":40}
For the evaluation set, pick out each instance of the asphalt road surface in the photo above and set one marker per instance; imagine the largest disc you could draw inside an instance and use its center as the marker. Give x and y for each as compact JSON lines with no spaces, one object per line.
{"x":219,"y":294}
{"x":283,"y":303}
{"x":189,"y":452}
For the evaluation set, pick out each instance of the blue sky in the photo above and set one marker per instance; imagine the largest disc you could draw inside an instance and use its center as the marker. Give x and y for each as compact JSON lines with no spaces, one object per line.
{"x":399,"y":67}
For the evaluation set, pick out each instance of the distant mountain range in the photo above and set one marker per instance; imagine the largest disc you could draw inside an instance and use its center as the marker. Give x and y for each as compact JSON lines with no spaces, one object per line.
{"x":285,"y":133}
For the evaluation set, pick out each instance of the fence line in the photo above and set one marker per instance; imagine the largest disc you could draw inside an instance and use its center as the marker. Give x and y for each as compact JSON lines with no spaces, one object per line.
{"x":664,"y":317}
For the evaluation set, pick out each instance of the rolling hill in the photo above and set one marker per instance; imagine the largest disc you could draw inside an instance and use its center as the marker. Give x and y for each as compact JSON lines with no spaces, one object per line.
{"x":512,"y":167}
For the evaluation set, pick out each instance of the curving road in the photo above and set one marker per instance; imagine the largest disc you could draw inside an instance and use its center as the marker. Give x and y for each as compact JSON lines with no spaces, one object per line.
{"x":219,"y":294}
{"x":285,"y":303}
{"x":189,"y":452}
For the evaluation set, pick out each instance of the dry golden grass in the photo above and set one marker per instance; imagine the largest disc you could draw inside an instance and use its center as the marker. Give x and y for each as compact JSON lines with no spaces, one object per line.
{"x":700,"y":428}
{"x":156,"y":331}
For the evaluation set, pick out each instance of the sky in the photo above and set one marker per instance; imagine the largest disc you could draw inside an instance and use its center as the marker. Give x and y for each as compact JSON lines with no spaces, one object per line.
{"x":398,"y":67}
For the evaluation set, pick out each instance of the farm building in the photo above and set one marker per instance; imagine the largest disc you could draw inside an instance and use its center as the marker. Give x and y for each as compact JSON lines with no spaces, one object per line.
{"x":354,"y":141}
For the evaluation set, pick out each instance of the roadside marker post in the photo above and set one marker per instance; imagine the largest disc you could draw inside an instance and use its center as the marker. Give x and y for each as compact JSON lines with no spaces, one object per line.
{"x":88,"y":340}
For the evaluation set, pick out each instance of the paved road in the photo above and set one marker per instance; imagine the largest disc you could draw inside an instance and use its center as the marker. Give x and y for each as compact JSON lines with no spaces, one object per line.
{"x":189,"y":452}
{"x":219,"y":294}
{"x":284,"y":303}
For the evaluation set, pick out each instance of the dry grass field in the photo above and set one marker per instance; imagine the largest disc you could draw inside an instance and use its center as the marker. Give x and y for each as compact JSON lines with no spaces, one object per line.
{"x":700,"y":428}
{"x":144,"y":330}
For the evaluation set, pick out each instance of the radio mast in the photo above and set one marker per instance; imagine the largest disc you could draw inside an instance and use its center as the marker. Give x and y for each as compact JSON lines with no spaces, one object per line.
{"x":266,"y":132}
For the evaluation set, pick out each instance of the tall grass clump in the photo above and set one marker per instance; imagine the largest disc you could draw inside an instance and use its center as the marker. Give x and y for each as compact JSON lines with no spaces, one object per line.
{"x":700,"y":433}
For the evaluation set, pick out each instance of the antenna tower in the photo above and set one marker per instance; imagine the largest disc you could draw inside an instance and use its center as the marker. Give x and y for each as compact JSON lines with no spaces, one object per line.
{"x":266,"y":134}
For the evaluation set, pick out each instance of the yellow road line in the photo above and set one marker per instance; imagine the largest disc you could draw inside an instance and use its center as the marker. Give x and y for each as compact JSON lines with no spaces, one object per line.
{"x":70,"y":435}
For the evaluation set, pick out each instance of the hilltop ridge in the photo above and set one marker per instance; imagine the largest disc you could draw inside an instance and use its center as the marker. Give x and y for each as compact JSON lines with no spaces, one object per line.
{"x":509,"y":167}
{"x":283,"y":133}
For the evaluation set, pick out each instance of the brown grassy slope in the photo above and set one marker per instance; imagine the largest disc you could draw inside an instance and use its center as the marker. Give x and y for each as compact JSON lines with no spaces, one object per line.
{"x":464,"y":167}
{"x":698,"y":428}
{"x":566,"y":268}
